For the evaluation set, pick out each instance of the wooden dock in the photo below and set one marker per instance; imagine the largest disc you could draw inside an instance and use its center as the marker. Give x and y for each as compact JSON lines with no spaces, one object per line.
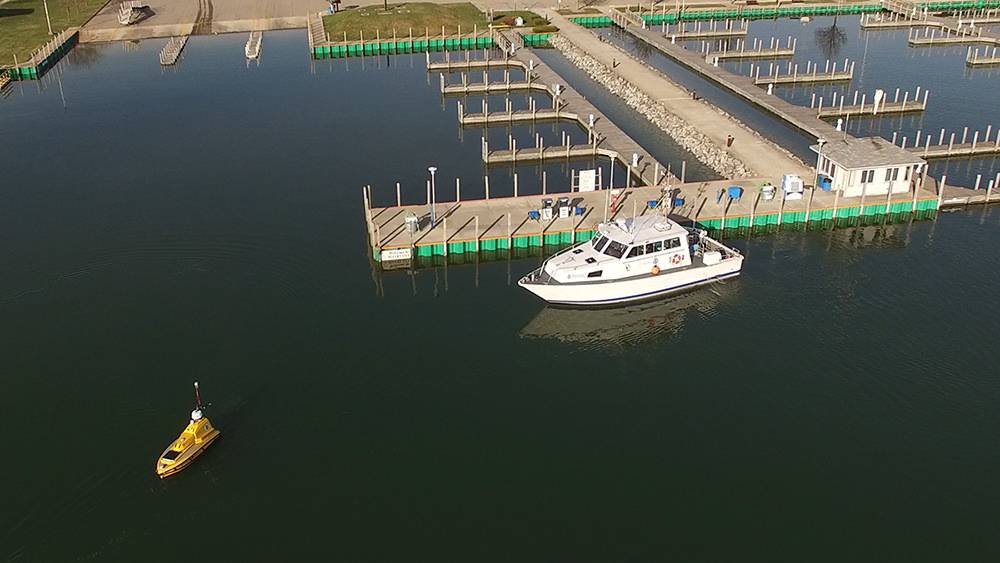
{"x":974,"y":58}
{"x":870,"y":110}
{"x":172,"y":50}
{"x":252,"y":48}
{"x":492,"y":118}
{"x":683,"y":31}
{"x":866,"y":109}
{"x":542,"y":154}
{"x":776,"y":53}
{"x":478,"y":88}
{"x":464,"y":226}
{"x":468,"y":63}
{"x":952,"y":145}
{"x":811,"y":75}
{"x":756,"y":51}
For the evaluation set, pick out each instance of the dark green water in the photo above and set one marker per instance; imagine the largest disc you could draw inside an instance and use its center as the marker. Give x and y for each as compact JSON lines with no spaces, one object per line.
{"x":837,"y":402}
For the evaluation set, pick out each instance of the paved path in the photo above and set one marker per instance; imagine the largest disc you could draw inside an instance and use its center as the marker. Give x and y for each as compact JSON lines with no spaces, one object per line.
{"x":801,"y":117}
{"x":184,"y":17}
{"x":763,"y":157}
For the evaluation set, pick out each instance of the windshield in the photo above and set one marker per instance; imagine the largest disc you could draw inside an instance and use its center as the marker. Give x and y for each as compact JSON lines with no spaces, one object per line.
{"x":615,"y":249}
{"x":599,"y":243}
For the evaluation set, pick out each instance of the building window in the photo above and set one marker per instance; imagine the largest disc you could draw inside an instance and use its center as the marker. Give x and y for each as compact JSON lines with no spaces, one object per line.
{"x":867,"y":176}
{"x":891,"y":174}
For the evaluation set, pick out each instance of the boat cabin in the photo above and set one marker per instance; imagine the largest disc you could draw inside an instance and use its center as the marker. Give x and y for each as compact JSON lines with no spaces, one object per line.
{"x":868,"y":166}
{"x":622,"y":249}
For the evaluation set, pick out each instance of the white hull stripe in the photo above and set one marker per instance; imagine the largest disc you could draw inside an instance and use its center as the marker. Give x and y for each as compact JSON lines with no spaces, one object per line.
{"x":651,"y":293}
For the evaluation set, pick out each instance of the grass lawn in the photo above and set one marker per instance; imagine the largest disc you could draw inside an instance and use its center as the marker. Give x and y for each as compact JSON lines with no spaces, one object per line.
{"x":23,"y":29}
{"x":402,"y":17}
{"x":418,"y":16}
{"x":531,"y":20}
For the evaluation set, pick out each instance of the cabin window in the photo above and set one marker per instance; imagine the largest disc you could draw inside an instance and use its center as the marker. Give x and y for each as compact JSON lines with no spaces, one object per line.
{"x":867,"y":176}
{"x":595,"y":274}
{"x":637,"y":250}
{"x":652,"y":247}
{"x":615,"y":249}
{"x":891,"y":174}
{"x":599,"y":243}
{"x":672,"y":243}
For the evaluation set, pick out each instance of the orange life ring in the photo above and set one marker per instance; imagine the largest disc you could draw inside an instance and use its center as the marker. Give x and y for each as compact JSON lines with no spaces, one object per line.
{"x":676,"y":259}
{"x":656,"y":270}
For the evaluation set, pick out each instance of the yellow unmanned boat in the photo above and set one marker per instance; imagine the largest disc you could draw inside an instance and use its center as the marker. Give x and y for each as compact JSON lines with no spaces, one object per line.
{"x":190,"y":444}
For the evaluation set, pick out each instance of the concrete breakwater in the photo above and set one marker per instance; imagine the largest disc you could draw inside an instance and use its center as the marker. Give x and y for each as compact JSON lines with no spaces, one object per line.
{"x":683,"y":133}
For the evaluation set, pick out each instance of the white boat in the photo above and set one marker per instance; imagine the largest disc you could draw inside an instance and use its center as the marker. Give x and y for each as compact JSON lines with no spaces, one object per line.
{"x":632,"y":260}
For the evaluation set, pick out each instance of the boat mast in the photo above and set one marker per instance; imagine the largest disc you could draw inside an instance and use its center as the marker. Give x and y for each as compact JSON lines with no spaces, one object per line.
{"x":197,"y":396}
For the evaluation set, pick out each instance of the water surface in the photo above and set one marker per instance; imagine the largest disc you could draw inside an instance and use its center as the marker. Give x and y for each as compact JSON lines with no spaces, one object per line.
{"x":837,"y":402}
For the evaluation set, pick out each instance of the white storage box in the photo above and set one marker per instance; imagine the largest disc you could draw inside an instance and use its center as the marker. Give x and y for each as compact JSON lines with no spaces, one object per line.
{"x":711,"y":257}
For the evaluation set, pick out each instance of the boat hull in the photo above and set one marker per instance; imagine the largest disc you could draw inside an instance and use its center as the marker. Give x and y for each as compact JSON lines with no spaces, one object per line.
{"x":185,"y":459}
{"x":635,"y":289}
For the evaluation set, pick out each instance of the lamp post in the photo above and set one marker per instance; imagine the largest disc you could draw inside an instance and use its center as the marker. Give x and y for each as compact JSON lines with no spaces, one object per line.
{"x":47,"y":20}
{"x":433,"y":170}
{"x":819,"y":159}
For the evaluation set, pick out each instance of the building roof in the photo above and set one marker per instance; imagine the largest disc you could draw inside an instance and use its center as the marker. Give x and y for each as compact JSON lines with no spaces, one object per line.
{"x":870,"y":152}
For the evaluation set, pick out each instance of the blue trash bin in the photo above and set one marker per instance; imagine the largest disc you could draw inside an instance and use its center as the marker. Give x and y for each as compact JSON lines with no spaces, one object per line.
{"x":678,"y":201}
{"x":735,"y":192}
{"x":652,"y":204}
{"x":825,"y":183}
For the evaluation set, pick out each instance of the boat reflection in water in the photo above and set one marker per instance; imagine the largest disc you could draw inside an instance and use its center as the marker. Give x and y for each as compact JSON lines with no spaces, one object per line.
{"x":629,"y":324}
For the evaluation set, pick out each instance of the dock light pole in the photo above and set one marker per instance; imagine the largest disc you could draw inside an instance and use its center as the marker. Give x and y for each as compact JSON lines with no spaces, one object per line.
{"x":45,"y":3}
{"x":819,"y":159}
{"x":433,"y":170}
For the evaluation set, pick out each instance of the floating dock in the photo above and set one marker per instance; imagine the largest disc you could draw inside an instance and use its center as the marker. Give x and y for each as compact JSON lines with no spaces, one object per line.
{"x":172,"y":50}
{"x":945,"y":146}
{"x":252,"y":48}
{"x":812,"y":74}
{"x":756,"y":51}
{"x":987,"y":58}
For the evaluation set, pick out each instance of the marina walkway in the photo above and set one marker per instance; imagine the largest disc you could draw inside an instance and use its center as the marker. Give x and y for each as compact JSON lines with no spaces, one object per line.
{"x":802,"y":118}
{"x":767,"y":160}
{"x":498,"y":223}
